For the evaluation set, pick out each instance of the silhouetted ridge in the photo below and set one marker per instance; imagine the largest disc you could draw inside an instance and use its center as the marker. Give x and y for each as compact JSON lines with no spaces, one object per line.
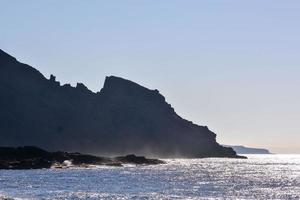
{"x":123,"y":118}
{"x":113,"y":82}
{"x":121,"y":85}
{"x":4,"y":57}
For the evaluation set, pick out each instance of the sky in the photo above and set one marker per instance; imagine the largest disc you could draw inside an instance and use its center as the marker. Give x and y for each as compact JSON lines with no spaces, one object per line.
{"x":231,"y":65}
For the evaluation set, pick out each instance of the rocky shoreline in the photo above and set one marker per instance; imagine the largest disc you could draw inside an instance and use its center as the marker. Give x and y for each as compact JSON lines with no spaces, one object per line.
{"x":30,"y":157}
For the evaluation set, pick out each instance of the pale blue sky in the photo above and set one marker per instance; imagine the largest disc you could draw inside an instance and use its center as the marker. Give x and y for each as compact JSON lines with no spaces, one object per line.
{"x":231,"y":65}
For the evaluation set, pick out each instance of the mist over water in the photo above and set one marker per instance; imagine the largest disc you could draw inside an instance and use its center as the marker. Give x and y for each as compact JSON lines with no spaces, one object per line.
{"x":259,"y":177}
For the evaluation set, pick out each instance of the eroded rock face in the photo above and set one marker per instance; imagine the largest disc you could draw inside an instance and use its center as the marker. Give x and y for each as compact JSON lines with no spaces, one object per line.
{"x":123,"y":118}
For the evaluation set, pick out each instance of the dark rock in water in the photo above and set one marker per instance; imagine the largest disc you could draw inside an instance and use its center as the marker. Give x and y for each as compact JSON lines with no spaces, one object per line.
{"x":24,"y":158}
{"x":35,"y":158}
{"x":122,"y":118}
{"x":138,"y":160}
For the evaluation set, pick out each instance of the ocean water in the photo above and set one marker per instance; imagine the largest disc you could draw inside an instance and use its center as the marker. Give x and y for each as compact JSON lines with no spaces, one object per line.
{"x":259,"y":177}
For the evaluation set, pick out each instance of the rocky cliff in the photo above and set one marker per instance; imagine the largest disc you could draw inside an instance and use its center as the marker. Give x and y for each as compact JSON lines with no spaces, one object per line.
{"x":122,"y":118}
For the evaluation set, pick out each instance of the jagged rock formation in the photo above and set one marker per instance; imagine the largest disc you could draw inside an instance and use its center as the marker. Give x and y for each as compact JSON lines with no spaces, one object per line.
{"x":122,"y":118}
{"x":35,"y":158}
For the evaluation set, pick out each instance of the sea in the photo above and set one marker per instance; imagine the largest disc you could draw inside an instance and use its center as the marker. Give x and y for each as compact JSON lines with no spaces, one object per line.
{"x":258,"y":177}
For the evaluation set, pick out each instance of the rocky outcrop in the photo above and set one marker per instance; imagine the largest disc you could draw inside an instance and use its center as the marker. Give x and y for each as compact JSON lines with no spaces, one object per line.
{"x":36,"y":158}
{"x":137,"y":160}
{"x":122,"y":118}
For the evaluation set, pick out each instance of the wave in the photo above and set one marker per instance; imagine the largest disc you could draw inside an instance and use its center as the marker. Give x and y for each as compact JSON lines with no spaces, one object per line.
{"x":6,"y":197}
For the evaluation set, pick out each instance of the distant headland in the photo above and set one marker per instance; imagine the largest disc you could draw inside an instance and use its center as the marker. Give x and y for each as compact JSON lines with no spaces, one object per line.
{"x":122,"y":118}
{"x":248,"y":150}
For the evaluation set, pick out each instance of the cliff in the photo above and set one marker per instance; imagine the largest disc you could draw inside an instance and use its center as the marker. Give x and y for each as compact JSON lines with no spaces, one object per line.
{"x":122,"y":118}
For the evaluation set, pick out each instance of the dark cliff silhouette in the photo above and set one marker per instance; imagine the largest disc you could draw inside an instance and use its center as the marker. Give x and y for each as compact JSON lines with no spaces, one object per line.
{"x":122,"y":118}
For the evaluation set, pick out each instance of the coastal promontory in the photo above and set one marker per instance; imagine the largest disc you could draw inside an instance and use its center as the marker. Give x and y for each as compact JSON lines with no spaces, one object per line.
{"x":122,"y":118}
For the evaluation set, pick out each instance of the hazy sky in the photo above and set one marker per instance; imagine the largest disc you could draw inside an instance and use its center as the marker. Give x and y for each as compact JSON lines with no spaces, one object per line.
{"x":231,"y":65}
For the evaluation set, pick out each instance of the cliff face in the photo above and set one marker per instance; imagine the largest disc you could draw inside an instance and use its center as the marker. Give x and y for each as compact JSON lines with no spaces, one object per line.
{"x":122,"y":118}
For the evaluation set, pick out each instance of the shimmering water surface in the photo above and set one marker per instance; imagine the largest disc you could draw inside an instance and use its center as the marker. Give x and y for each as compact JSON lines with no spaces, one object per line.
{"x":259,"y":177}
